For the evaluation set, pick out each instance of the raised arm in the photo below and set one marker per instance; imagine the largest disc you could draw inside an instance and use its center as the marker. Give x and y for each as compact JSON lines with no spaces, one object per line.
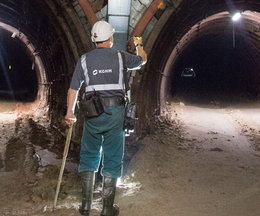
{"x":140,"y":49}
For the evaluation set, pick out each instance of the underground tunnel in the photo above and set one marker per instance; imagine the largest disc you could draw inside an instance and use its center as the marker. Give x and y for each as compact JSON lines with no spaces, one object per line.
{"x":223,"y":53}
{"x":39,"y":38}
{"x":169,"y":164}
{"x":18,"y":78}
{"x":225,"y":64}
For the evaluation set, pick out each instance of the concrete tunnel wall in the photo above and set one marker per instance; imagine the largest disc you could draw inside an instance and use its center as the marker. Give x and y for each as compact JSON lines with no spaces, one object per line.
{"x":59,"y":33}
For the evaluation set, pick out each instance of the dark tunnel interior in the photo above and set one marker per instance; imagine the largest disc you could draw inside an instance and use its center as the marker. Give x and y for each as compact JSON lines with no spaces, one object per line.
{"x":18,"y":80}
{"x":41,"y":55}
{"x":225,"y":70}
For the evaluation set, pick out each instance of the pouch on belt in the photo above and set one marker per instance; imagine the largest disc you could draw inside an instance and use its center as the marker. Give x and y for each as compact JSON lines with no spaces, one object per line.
{"x":91,"y":105}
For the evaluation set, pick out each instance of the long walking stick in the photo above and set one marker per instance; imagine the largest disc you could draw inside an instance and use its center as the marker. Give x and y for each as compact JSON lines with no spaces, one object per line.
{"x":65,"y":154}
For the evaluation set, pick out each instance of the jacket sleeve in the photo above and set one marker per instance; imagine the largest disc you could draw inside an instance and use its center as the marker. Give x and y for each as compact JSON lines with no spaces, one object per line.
{"x":133,"y":61}
{"x":78,"y":77}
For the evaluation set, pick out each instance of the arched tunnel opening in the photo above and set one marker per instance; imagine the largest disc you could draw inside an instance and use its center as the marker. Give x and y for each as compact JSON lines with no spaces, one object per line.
{"x":223,"y":69}
{"x":18,"y":78}
{"x":223,"y":54}
{"x":43,"y":39}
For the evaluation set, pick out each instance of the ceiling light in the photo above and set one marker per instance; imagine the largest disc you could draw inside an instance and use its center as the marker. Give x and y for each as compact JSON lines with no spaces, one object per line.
{"x":236,"y":16}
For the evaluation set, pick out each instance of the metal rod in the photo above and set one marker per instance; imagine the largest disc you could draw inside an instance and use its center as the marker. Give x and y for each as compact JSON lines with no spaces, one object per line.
{"x":65,"y":154}
{"x":234,"y":36}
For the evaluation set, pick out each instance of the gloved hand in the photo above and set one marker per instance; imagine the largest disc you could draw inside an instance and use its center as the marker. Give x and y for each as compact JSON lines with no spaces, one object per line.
{"x":138,"y":41}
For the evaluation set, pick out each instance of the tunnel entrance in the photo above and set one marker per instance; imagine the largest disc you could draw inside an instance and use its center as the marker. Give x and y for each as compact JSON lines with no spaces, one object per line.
{"x":18,"y":79}
{"x":224,"y":70}
{"x":224,"y":56}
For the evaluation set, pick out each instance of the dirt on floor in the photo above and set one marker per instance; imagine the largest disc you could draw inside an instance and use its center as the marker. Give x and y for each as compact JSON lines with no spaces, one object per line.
{"x":207,"y":166}
{"x":196,"y":161}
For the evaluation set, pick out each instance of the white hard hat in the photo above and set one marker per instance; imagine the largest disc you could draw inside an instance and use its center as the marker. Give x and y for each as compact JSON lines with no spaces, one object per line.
{"x":101,"y":31}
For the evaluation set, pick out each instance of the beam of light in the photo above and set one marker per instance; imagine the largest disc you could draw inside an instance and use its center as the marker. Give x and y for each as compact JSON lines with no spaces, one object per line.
{"x":128,"y":185}
{"x":237,"y":16}
{"x":119,"y":182}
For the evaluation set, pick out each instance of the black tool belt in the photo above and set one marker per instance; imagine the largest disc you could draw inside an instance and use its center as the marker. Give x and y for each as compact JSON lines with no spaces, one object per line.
{"x":94,"y":105}
{"x":113,"y":101}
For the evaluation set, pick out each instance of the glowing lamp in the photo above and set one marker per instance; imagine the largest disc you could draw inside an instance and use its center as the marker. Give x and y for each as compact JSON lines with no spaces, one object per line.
{"x":236,"y":17}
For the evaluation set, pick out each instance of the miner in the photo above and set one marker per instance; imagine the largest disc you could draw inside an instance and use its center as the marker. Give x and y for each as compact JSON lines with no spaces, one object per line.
{"x":103,"y":104}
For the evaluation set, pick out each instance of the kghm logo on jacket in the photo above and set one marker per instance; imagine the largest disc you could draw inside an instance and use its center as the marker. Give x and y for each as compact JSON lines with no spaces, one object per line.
{"x":103,"y":71}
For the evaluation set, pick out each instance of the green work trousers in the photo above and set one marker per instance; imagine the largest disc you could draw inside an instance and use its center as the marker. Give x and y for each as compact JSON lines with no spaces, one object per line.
{"x":104,"y":136}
